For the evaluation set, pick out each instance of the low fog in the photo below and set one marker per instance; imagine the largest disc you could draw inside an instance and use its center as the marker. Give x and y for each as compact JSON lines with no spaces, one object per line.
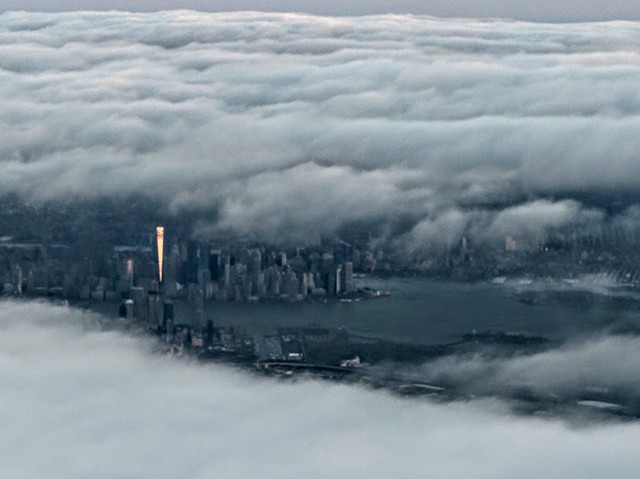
{"x":291,"y":125}
{"x":607,"y":364}
{"x":78,"y":403}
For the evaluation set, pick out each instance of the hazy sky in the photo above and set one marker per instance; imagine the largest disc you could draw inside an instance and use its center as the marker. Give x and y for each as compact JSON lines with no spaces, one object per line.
{"x":88,"y":404}
{"x":546,"y":10}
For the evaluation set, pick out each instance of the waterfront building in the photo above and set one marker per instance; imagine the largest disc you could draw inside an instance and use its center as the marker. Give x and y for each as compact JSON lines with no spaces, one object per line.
{"x":349,"y":286}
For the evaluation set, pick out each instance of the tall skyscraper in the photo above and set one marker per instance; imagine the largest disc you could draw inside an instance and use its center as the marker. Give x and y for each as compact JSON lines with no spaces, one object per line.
{"x":193,"y":262}
{"x":214,"y":264}
{"x":160,"y":246}
{"x":129,"y":272}
{"x":155,"y":311}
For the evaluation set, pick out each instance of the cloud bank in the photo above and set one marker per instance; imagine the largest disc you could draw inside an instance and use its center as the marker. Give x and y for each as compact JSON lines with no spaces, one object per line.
{"x":78,"y":403}
{"x":296,"y":125}
{"x":605,"y":363}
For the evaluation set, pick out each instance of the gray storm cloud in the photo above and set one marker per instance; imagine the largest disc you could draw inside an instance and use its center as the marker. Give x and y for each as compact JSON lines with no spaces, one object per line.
{"x":78,"y":403}
{"x":290,"y":124}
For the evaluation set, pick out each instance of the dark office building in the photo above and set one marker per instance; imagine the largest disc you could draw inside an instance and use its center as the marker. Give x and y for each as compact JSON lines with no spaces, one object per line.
{"x":167,"y":314}
{"x":193,"y":262}
{"x":214,"y":265}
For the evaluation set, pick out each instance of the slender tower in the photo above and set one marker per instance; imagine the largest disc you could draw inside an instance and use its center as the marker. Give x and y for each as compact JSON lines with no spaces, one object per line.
{"x":160,"y":245}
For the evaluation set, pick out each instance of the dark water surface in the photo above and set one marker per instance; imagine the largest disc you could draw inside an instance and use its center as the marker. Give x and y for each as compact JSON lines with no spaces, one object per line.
{"x":428,"y":311}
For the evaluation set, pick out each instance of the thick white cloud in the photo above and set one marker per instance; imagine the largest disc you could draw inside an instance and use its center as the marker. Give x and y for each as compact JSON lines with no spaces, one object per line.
{"x":532,"y":218}
{"x":79,"y":404}
{"x":302,"y":124}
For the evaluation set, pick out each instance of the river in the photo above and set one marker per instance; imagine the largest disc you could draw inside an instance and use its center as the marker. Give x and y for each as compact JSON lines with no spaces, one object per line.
{"x":429,"y":311}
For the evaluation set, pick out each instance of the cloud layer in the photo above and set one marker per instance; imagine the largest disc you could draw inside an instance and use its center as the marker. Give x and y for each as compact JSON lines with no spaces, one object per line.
{"x":570,"y":371}
{"x":288,"y":124}
{"x":78,"y":403}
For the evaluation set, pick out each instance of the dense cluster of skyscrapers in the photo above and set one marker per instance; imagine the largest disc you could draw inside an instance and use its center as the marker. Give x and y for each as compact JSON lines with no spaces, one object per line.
{"x":200,"y":271}
{"x":118,"y":251}
{"x":217,"y":273}
{"x":147,"y":277}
